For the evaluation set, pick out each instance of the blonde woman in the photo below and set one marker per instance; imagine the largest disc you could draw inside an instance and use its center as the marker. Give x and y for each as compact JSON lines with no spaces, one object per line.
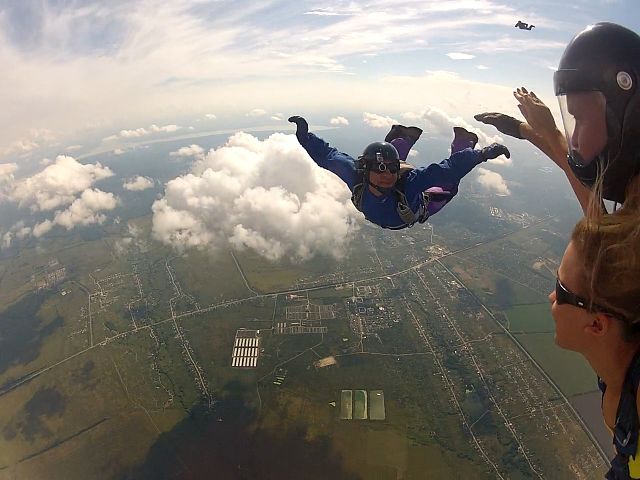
{"x":596,"y":309}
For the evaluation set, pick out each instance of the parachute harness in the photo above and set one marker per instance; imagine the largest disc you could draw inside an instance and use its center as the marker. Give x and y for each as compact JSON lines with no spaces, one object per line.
{"x":402,"y":205}
{"x":625,"y":433}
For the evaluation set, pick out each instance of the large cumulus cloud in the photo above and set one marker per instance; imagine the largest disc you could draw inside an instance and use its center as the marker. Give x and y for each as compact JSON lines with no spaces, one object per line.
{"x":58,"y":184}
{"x":66,"y":187}
{"x":84,"y":210}
{"x":267,"y":195}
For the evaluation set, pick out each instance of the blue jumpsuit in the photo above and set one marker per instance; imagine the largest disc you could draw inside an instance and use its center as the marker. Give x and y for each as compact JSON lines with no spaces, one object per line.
{"x":382,"y":210}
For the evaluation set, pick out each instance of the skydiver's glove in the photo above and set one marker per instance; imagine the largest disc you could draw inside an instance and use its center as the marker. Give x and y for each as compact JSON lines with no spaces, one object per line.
{"x":504,"y":123}
{"x":302,"y":127}
{"x":494,"y":151}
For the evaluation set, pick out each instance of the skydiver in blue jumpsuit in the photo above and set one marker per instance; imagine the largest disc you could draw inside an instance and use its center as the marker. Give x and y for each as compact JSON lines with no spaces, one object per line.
{"x":379,"y":190}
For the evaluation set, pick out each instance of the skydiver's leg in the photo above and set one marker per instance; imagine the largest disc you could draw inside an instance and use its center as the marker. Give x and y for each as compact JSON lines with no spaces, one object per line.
{"x":403,"y":147}
{"x":403,"y":138}
{"x":462,"y":139}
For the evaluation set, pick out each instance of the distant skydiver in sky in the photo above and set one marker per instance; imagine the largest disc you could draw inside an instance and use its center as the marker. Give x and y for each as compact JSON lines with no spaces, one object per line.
{"x":524,"y":26}
{"x":387,"y":194}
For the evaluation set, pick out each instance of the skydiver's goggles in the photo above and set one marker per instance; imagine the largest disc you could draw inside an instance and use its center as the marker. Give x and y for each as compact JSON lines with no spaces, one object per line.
{"x":564,"y":296}
{"x":378,"y":165}
{"x":381,"y":167}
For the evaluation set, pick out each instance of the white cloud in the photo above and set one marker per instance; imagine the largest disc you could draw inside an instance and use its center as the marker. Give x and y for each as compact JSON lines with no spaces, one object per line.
{"x":42,"y":228}
{"x":133,"y":239}
{"x":378,"y":121}
{"x":210,"y":116}
{"x":508,"y":43}
{"x":492,"y":182}
{"x":268,"y":196}
{"x":460,"y":56}
{"x":142,"y":132}
{"x":84,"y":210}
{"x":17,"y":231}
{"x":6,"y":240}
{"x":501,"y":160}
{"x":118,"y":151}
{"x":117,"y":62}
{"x":278,"y":117}
{"x":339,"y":121}
{"x":34,"y":139}
{"x":482,"y":67}
{"x":329,"y":12}
{"x":138,"y":183}
{"x":6,"y":171}
{"x":58,"y":184}
{"x":138,"y":132}
{"x":257,"y":112}
{"x":190,"y":151}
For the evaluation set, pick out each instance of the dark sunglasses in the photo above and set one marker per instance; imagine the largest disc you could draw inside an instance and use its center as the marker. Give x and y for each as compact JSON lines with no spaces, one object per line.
{"x":381,"y":167}
{"x":564,"y":296}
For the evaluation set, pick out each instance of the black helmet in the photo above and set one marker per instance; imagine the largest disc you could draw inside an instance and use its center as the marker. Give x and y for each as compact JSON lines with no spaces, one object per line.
{"x":598,"y":79}
{"x":379,"y":152}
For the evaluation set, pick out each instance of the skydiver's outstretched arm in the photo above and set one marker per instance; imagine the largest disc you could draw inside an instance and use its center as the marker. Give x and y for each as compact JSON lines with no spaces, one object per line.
{"x":541,"y":131}
{"x":324,"y":155}
{"x":450,"y":171}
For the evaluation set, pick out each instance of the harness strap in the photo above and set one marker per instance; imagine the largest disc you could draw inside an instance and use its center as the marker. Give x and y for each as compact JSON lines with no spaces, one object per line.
{"x":406,"y":214}
{"x":402,"y":205}
{"x":625,"y":432}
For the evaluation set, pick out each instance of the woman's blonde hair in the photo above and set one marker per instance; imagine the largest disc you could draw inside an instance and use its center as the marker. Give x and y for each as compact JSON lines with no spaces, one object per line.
{"x":609,"y":245}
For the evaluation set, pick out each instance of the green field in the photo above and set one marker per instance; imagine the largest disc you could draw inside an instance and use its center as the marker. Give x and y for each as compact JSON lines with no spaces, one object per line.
{"x":359,"y":404}
{"x":569,"y":370}
{"x":346,"y":404}
{"x":376,"y":405}
{"x":534,"y":328}
{"x":530,"y":319}
{"x":159,"y":398}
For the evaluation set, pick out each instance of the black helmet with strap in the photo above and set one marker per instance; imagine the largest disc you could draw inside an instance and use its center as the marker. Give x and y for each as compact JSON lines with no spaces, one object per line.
{"x":603,"y":63}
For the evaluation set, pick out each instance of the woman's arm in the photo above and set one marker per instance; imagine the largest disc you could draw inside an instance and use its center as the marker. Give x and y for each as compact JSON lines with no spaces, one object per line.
{"x":541,"y":131}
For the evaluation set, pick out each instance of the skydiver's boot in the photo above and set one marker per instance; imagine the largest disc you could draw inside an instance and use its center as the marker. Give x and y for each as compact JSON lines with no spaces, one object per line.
{"x":462,"y":139}
{"x":403,"y":138}
{"x":400,"y":131}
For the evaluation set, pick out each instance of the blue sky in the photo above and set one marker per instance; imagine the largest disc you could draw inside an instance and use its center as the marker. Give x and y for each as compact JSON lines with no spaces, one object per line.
{"x":76,"y":69}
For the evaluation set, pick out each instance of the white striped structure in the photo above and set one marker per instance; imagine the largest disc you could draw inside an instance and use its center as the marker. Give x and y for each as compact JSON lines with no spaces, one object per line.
{"x":246,"y":349}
